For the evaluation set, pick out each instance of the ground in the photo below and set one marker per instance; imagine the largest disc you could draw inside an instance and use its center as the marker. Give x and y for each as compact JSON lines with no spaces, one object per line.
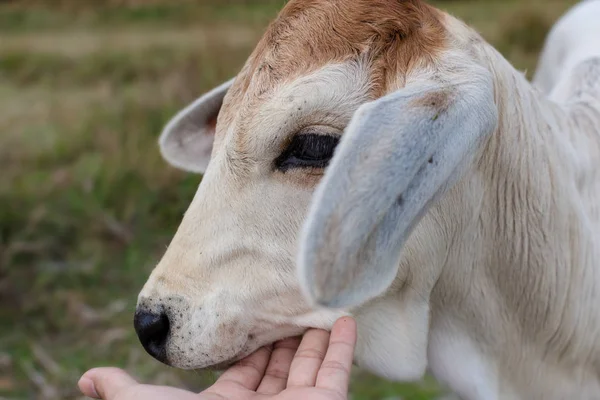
{"x":87,"y":205}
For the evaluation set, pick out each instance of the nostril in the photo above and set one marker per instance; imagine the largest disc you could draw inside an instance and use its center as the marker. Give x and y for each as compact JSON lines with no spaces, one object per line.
{"x":152,"y":330}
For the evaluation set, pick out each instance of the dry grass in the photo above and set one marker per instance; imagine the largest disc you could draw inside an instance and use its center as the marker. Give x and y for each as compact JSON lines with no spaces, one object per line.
{"x":87,"y":204}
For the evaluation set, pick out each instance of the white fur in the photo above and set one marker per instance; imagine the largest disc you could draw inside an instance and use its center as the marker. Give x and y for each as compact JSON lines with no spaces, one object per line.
{"x":572,"y":39}
{"x":393,"y":338}
{"x":490,"y":276}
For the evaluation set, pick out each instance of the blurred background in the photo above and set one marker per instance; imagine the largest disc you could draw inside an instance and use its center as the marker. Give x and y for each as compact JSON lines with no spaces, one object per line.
{"x":87,"y":205}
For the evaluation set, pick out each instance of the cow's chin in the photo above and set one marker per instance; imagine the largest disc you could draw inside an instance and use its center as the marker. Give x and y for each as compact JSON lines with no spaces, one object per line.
{"x":224,"y":365}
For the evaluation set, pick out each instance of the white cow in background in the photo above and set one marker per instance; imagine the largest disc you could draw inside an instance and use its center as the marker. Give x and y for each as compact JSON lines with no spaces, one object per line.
{"x":574,"y":38}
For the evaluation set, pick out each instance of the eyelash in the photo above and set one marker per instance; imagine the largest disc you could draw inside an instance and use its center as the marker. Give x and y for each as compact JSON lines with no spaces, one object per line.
{"x":309,"y":150}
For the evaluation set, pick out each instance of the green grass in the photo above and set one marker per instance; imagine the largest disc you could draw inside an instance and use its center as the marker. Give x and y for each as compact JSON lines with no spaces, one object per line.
{"x":87,"y":205}
{"x":45,"y":16}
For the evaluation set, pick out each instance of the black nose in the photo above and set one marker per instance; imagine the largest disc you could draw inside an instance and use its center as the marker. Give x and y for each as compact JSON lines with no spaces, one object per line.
{"x":152,"y":330}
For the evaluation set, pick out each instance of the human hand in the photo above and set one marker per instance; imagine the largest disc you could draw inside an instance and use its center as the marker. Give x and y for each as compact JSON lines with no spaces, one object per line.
{"x":316,"y":367}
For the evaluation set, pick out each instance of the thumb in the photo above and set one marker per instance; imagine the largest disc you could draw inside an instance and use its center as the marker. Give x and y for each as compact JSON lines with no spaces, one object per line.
{"x":104,"y":383}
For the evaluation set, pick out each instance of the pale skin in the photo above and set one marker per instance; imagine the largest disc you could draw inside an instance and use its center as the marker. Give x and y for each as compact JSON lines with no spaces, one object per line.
{"x":316,"y":366}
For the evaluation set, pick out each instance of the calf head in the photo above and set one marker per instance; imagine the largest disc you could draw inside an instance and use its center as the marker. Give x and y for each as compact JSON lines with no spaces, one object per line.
{"x":289,"y":230}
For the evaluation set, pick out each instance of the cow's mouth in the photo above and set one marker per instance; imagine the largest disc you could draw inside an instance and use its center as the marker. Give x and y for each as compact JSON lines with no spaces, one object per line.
{"x":266,"y":338}
{"x":223,"y":365}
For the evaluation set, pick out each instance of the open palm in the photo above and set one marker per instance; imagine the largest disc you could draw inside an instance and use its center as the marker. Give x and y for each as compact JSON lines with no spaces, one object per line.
{"x":315,"y":367}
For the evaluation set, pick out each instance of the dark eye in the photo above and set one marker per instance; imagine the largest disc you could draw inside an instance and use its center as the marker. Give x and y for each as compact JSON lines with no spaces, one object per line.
{"x":307,"y":150}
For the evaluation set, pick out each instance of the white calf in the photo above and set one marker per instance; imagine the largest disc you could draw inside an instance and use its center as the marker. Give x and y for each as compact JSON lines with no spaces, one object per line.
{"x":458,"y":220}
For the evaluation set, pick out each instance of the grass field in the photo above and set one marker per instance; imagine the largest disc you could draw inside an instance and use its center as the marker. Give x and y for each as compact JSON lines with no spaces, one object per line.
{"x":87,"y":205}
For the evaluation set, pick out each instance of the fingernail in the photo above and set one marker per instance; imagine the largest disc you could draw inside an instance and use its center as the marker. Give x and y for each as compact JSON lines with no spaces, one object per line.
{"x":88,"y":387}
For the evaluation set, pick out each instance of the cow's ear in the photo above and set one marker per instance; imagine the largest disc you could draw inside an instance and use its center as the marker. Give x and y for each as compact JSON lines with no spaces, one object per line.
{"x":397,"y":155}
{"x":186,"y":142}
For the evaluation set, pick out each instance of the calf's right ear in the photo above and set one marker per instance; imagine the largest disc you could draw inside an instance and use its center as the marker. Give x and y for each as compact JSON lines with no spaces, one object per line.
{"x":186,"y":142}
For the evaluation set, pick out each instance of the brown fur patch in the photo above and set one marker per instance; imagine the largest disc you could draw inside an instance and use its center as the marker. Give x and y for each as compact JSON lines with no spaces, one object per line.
{"x":396,"y":35}
{"x":439,"y":101}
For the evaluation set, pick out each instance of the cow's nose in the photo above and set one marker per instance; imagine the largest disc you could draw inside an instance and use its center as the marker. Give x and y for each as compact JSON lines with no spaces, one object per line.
{"x":152,"y":330}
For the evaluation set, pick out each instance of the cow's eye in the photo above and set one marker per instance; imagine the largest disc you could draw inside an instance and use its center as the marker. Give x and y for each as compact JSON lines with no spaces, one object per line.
{"x":309,"y":150}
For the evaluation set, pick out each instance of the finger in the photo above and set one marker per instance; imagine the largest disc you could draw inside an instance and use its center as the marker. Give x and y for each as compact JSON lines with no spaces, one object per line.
{"x":308,"y":358}
{"x":277,"y":372}
{"x":249,"y":371}
{"x":335,"y":369}
{"x":104,"y":383}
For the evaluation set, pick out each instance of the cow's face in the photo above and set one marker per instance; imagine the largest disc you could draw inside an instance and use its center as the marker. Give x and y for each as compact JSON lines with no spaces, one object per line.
{"x":227,"y":283}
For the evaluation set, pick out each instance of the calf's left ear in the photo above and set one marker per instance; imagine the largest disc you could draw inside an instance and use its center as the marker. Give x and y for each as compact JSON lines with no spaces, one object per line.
{"x":397,"y":155}
{"x":186,"y":142}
